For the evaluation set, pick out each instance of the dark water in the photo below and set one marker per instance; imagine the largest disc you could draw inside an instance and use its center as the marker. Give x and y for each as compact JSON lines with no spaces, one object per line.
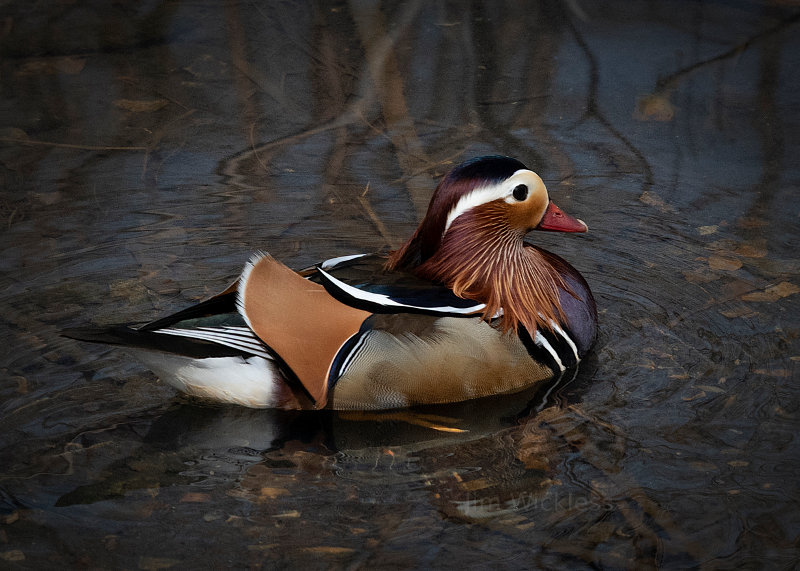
{"x":146,"y":149}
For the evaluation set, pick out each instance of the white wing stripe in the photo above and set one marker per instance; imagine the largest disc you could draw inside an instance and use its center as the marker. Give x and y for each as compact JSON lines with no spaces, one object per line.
{"x":387,"y":301}
{"x":206,"y":335}
{"x":329,"y":264}
{"x":255,"y":350}
{"x":237,"y":338}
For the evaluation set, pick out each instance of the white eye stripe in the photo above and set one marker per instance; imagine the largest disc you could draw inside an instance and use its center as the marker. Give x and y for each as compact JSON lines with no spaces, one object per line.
{"x":504,"y":190}
{"x":479,"y":196}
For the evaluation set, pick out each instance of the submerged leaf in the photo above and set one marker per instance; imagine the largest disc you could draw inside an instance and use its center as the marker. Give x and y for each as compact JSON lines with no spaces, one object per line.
{"x":131,"y":290}
{"x":195,"y":497}
{"x":695,"y":396}
{"x":155,"y":563}
{"x":654,"y":107}
{"x":772,"y":293}
{"x":710,"y":388}
{"x":703,"y":466}
{"x":783,"y":289}
{"x":272,"y":493}
{"x":328,"y":550}
{"x":14,"y":555}
{"x":700,"y":275}
{"x":738,"y":311}
{"x":141,"y":106}
{"x":51,"y":66}
{"x":782,"y":373}
{"x":724,"y":263}
{"x":651,"y":198}
{"x":757,"y":250}
{"x":751,"y":222}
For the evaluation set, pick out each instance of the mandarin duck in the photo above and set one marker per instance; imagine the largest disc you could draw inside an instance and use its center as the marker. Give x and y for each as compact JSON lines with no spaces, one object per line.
{"x":464,"y":309}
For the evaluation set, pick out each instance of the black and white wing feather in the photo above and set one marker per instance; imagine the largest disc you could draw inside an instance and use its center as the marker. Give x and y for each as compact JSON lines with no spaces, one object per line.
{"x":359,"y":281}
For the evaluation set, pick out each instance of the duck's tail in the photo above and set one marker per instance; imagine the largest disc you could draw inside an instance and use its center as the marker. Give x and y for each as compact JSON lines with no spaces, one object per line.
{"x":200,"y":367}
{"x":127,"y":336}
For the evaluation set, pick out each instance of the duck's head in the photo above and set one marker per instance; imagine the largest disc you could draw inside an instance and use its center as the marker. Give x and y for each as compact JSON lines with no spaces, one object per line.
{"x":488,"y":195}
{"x":471,"y":239}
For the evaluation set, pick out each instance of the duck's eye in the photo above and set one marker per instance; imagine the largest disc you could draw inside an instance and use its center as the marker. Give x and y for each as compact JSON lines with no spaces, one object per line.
{"x":520,"y":192}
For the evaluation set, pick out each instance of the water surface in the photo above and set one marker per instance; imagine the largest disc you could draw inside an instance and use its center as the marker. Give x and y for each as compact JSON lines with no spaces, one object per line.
{"x":147,"y":149}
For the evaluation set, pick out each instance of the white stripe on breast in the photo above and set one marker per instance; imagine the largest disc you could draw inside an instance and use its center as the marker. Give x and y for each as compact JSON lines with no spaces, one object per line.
{"x":542,"y":342}
{"x":567,"y":338}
